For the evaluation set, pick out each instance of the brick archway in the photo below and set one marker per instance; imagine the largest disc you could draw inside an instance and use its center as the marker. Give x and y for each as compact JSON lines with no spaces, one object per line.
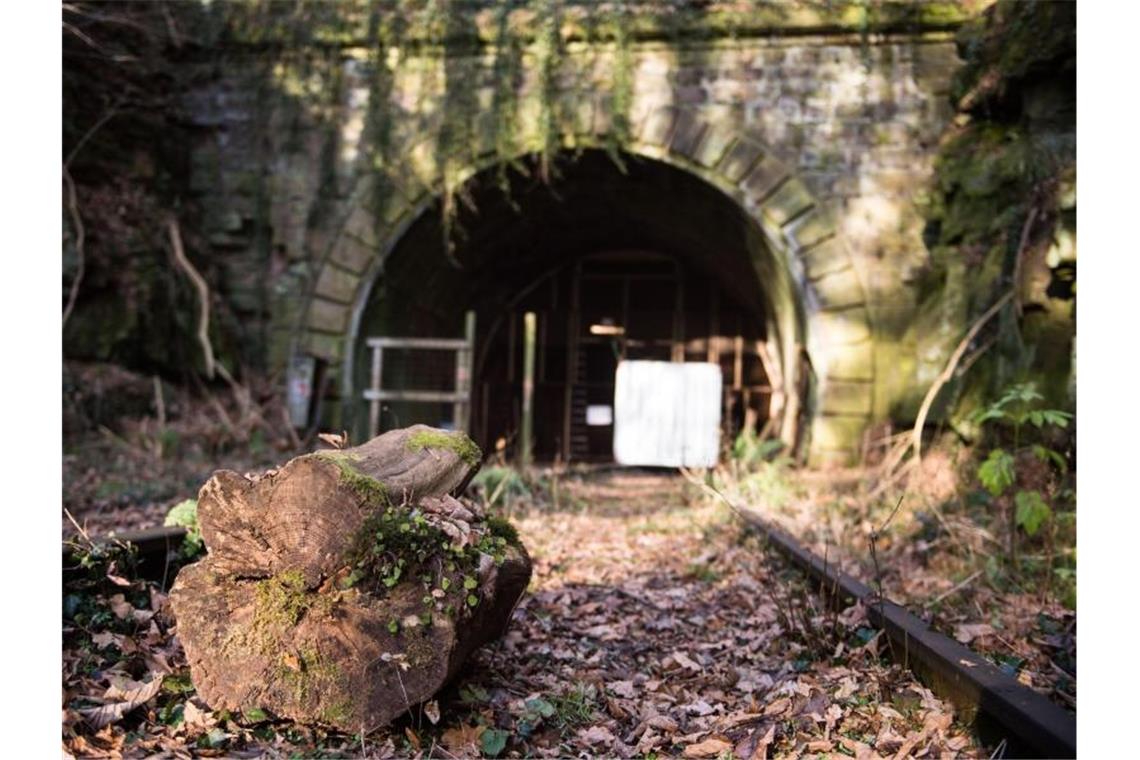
{"x":821,"y":306}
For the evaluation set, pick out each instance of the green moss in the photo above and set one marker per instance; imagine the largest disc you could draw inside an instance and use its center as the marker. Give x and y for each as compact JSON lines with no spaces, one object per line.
{"x":457,"y":442}
{"x":370,"y":490}
{"x":501,"y":527}
{"x":282,"y":600}
{"x":309,"y":677}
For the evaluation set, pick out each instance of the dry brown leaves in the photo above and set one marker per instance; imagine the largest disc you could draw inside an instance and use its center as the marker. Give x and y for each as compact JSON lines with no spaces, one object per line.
{"x":651,"y":626}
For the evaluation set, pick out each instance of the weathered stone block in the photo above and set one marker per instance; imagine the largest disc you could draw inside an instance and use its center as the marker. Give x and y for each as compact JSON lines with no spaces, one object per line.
{"x":840,"y":327}
{"x":839,"y":290}
{"x":852,"y":363}
{"x":813,"y":227}
{"x":790,"y":199}
{"x":327,"y":316}
{"x":713,"y":144}
{"x":337,"y":284}
{"x":824,"y":258}
{"x":764,"y":178}
{"x":361,"y":225}
{"x":740,"y":158}
{"x":656,"y":129}
{"x":841,"y":397}
{"x":838,"y":434}
{"x":323,"y":346}
{"x":352,"y":255}
{"x":687,"y":134}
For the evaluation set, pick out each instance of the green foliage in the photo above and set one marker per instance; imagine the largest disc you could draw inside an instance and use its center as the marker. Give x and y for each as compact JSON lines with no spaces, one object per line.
{"x":398,"y":545}
{"x":184,"y":514}
{"x":576,"y":706}
{"x":505,"y":484}
{"x":757,"y":470}
{"x":493,"y":741}
{"x":997,"y":472}
{"x":750,"y":450}
{"x":501,"y":527}
{"x":1032,"y":511}
{"x":1018,"y":407}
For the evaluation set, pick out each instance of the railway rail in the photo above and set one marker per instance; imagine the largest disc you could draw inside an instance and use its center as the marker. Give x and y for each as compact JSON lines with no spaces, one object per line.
{"x":1000,"y":708}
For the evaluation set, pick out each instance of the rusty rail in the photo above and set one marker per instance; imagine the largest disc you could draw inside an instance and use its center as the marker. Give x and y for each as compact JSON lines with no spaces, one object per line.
{"x":999,"y":706}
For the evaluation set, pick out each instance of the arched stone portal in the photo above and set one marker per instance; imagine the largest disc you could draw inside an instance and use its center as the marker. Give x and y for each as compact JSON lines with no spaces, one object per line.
{"x":797,"y":274}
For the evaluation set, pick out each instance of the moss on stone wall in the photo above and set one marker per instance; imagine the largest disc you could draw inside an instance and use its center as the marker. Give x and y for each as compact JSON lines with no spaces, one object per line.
{"x":1003,"y":196}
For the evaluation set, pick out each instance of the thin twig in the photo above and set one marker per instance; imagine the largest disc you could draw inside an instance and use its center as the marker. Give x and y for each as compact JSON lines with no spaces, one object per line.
{"x":1021,"y":243}
{"x":948,"y":372}
{"x":88,"y":134}
{"x":954,"y":590}
{"x":203,"y":295}
{"x":80,"y":234}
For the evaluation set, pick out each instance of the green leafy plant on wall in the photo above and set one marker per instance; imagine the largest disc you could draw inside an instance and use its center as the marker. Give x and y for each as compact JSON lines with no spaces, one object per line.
{"x":1018,"y":408}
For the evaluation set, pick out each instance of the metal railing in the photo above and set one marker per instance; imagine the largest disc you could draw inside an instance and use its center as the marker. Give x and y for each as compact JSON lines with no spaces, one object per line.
{"x":460,"y":397}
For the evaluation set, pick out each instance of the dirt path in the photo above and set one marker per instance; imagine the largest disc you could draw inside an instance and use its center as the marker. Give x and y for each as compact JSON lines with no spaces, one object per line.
{"x":668,"y":621}
{"x":652,"y":628}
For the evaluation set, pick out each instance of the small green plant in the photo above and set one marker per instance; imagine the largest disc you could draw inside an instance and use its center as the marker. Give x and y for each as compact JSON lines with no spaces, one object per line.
{"x":184,"y":514}
{"x":575,"y":707}
{"x":1020,"y":407}
{"x":501,"y":484}
{"x":757,"y":470}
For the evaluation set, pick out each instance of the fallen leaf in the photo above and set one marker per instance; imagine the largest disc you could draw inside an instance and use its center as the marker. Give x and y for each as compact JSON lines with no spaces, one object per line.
{"x":195,"y":716}
{"x":114,"y":711}
{"x":686,"y":662}
{"x":700,"y":707}
{"x":761,"y":751}
{"x":708,"y":748}
{"x":778,"y":707}
{"x":967,"y":632}
{"x":463,"y":739}
{"x":622,"y":689}
{"x":597,"y":735}
{"x":431,"y":710}
{"x":120,"y":606}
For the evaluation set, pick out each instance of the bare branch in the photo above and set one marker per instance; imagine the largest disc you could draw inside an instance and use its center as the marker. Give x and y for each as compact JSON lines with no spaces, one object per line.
{"x":203,"y":294}
{"x":948,"y":372}
{"x":80,"y":234}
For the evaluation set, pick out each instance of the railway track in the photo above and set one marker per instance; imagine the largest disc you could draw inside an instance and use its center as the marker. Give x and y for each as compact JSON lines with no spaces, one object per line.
{"x":1001,"y":709}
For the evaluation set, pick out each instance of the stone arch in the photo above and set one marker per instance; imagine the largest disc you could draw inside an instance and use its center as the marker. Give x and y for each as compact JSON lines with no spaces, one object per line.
{"x":826,"y":317}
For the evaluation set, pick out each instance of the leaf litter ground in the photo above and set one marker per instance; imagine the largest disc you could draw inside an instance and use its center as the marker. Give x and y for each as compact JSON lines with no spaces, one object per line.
{"x":653,"y":627}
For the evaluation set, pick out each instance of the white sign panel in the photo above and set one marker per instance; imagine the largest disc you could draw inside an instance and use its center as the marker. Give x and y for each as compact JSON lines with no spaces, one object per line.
{"x":667,"y":414}
{"x":599,"y":416}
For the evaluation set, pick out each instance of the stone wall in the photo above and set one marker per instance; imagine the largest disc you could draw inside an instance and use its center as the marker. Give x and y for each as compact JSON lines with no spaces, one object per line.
{"x":312,"y":162}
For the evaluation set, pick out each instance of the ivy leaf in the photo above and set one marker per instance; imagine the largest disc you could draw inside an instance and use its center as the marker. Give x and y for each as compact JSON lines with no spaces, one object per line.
{"x":493,"y":741}
{"x":996,"y":473}
{"x":540,"y":706}
{"x":1031,"y":511}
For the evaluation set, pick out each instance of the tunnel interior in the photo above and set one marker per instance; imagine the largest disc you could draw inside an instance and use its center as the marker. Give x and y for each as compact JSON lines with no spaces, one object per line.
{"x":618,"y":259}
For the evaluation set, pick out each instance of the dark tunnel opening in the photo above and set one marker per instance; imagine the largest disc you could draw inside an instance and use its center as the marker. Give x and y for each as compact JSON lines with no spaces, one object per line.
{"x":642,"y":261}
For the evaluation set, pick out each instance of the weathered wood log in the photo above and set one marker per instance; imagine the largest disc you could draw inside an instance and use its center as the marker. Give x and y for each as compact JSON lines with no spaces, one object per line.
{"x":346,"y":586}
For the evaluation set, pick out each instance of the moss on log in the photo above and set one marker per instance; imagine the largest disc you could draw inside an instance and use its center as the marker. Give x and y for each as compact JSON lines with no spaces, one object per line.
{"x":346,"y":586}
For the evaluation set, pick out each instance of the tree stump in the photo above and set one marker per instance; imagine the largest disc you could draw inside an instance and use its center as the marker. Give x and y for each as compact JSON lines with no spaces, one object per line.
{"x":346,"y":586}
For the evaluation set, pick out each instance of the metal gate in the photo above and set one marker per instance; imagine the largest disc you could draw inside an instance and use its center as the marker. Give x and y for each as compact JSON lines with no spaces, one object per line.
{"x":460,"y":397}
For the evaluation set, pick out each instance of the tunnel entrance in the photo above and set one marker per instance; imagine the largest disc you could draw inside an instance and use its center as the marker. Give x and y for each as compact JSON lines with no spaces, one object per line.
{"x":637,"y":261}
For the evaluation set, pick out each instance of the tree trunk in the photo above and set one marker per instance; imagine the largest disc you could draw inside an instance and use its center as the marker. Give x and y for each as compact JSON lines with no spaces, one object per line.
{"x":346,"y":586}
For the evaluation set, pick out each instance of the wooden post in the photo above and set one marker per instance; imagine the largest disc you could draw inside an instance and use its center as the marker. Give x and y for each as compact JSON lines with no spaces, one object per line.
{"x":374,"y":404}
{"x":464,"y":357}
{"x":526,"y":442}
